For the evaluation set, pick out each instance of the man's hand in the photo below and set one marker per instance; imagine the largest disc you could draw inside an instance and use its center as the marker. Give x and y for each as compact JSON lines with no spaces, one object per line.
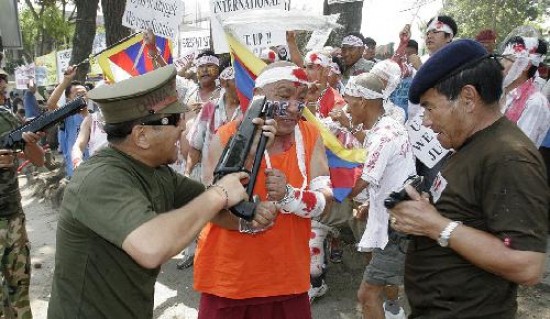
{"x":338,"y":115}
{"x":33,"y":138}
{"x":69,"y":74}
{"x":405,"y":33}
{"x":275,"y":184}
{"x":232,"y":189}
{"x":6,"y":158}
{"x":264,"y":216}
{"x":417,"y":216}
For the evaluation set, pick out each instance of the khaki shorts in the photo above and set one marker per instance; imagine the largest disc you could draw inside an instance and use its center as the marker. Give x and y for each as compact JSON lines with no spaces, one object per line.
{"x":387,"y":265}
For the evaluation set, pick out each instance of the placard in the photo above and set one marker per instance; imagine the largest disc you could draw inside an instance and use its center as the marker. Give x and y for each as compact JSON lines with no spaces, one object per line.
{"x":62,"y":60}
{"x":255,"y":38}
{"x":161,"y":16}
{"x":424,"y":141}
{"x":22,"y":76}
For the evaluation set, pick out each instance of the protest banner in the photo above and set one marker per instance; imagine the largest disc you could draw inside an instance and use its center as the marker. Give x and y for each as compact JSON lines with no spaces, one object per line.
{"x":22,"y":76}
{"x":424,"y":141}
{"x":256,"y":38}
{"x":62,"y":62}
{"x":193,"y":41}
{"x":161,"y":16}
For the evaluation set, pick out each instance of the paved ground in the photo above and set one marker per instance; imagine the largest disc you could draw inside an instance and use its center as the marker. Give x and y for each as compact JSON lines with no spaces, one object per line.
{"x":175,"y":298}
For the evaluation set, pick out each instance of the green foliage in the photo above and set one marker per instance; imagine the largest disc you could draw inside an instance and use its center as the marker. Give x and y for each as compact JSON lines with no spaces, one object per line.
{"x":501,"y":15}
{"x":44,"y":29}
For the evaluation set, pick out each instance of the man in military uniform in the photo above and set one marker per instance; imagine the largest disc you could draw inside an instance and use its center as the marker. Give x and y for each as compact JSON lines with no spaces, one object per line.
{"x":14,"y":243}
{"x":125,"y":212}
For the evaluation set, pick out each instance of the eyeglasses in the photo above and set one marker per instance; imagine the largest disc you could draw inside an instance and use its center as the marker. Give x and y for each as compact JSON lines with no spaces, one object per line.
{"x":172,"y":119}
{"x":281,"y":107}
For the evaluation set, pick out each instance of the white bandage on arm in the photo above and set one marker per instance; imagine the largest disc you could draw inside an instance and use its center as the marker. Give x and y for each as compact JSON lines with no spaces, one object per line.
{"x":306,"y":203}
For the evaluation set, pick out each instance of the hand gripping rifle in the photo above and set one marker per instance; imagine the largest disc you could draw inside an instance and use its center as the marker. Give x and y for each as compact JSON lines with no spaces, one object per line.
{"x":236,"y":152}
{"x":14,"y":139}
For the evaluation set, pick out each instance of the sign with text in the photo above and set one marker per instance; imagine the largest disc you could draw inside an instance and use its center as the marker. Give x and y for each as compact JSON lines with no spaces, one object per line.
{"x":194,"y":40}
{"x":255,"y":38}
{"x":424,"y":141}
{"x":161,"y":16}
{"x":62,"y":59}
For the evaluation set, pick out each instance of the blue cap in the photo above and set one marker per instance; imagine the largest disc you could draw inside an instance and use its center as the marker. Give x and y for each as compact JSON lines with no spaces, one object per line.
{"x":451,"y":58}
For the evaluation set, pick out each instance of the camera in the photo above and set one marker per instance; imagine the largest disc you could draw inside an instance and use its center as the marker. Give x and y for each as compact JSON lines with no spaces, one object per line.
{"x":396,"y":197}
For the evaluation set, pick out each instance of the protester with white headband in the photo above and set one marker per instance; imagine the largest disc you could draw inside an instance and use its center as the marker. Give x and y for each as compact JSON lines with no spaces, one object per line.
{"x":353,"y":47}
{"x":321,"y":98}
{"x":440,"y":31}
{"x":335,"y":74}
{"x":389,"y":72}
{"x":525,"y":104}
{"x":213,"y":115}
{"x":264,"y":273}
{"x":389,"y":162}
{"x":208,"y":70}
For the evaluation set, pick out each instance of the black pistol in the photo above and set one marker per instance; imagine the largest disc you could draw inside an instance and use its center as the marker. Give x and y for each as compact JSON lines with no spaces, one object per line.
{"x":14,"y":138}
{"x":396,"y":197}
{"x":236,"y":152}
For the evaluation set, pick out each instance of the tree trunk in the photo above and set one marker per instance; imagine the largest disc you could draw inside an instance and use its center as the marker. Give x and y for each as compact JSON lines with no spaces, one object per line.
{"x":84,"y":34}
{"x":113,"y":10}
{"x":350,"y":18}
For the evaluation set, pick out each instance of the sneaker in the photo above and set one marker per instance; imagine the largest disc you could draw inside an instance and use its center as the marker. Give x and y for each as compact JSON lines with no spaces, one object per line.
{"x":316,"y":292}
{"x":186,"y":261}
{"x":393,"y":310}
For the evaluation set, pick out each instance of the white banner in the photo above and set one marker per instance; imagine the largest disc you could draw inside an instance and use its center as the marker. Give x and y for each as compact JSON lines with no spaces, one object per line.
{"x":424,"y":141}
{"x":161,"y":16}
{"x":319,"y":37}
{"x":62,"y":59}
{"x":256,"y":38}
{"x":22,"y":76}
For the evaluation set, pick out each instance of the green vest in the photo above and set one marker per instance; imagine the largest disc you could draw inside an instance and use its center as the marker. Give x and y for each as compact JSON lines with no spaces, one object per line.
{"x":10,"y":197}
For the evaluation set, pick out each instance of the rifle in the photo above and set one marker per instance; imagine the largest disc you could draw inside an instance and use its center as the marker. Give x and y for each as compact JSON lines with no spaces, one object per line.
{"x":14,"y":139}
{"x":236,"y":152}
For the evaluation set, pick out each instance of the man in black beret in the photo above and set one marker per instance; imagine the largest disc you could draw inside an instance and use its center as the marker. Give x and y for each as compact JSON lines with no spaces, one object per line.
{"x":483,"y":230}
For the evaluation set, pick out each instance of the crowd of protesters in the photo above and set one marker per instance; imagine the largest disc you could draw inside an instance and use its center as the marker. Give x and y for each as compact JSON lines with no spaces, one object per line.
{"x":145,"y":150}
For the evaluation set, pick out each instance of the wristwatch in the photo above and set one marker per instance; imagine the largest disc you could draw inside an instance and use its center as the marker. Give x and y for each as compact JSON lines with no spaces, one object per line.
{"x":445,"y":235}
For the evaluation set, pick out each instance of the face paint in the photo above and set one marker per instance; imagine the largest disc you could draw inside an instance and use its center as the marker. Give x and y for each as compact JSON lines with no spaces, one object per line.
{"x":281,"y":107}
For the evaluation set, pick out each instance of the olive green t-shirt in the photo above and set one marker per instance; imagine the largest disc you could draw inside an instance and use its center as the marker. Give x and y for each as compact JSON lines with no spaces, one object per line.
{"x":108,"y":197}
{"x":496,"y":182}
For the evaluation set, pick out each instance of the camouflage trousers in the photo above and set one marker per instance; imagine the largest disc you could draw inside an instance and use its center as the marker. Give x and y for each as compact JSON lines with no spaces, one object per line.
{"x":15,"y":266}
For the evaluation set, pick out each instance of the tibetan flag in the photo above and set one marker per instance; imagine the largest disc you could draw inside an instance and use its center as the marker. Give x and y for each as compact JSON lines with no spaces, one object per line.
{"x":130,"y":58}
{"x":247,"y":66}
{"x":345,"y":165}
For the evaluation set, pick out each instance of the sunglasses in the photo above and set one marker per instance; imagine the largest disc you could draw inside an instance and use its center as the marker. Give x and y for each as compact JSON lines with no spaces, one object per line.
{"x":281,"y":107}
{"x":172,"y":119}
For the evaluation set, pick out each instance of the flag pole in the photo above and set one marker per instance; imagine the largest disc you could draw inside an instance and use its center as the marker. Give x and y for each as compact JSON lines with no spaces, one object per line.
{"x":92,"y":56}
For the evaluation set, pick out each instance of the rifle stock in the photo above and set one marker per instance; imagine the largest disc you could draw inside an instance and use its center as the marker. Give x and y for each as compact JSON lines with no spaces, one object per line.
{"x":236,"y":152}
{"x":14,"y":138}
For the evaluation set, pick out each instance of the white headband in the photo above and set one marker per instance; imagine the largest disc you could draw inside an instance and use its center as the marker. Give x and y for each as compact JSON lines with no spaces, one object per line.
{"x":317,"y":58}
{"x":288,"y":73}
{"x":227,"y":74}
{"x":356,"y":90}
{"x":524,"y":54}
{"x":207,"y":59}
{"x":353,"y":41}
{"x":437,"y":25}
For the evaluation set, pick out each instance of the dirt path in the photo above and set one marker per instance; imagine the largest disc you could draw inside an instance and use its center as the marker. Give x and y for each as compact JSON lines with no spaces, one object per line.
{"x":175,"y":298}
